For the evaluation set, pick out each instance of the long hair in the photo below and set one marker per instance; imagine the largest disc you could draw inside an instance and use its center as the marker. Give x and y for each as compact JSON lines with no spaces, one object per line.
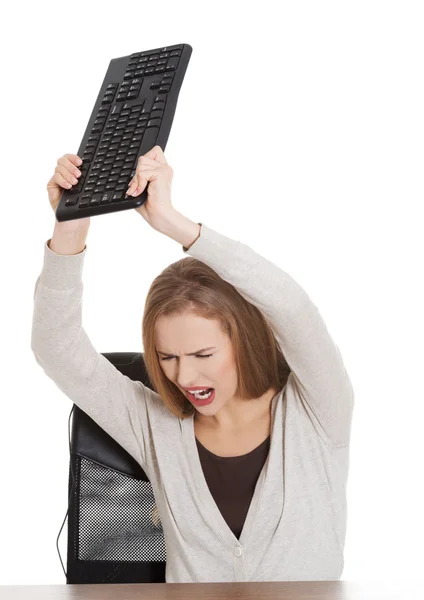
{"x":190,"y":285}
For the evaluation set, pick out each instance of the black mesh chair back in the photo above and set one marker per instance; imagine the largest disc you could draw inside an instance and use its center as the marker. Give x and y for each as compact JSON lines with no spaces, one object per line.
{"x":114,"y":530}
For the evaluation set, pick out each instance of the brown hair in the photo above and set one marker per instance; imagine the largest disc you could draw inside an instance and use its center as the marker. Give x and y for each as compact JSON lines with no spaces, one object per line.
{"x":190,"y":285}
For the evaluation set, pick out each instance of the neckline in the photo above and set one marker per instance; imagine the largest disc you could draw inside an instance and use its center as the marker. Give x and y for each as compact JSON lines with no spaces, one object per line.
{"x":231,"y":458}
{"x":205,"y":500}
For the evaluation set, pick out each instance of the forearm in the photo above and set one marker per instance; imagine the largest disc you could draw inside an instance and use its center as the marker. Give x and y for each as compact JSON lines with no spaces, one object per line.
{"x":179,"y":228}
{"x":68,"y":238}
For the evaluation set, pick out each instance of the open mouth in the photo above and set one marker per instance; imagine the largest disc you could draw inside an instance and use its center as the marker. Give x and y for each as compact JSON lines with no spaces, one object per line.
{"x":205,"y":398}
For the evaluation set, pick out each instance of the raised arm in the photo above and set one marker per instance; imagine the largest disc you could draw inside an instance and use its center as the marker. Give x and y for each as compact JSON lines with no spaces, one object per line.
{"x":64,"y":351}
{"x":319,"y":375}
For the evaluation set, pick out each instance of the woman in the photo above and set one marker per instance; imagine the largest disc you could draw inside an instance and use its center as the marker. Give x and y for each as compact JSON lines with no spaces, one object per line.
{"x":250,"y":482}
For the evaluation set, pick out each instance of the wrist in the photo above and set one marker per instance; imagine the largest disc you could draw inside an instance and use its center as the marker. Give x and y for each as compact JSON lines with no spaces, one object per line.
{"x":179,"y":228}
{"x":68,"y":237}
{"x":73,"y":227}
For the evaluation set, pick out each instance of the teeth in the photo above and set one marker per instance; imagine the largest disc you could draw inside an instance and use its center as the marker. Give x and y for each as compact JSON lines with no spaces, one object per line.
{"x":201,"y":394}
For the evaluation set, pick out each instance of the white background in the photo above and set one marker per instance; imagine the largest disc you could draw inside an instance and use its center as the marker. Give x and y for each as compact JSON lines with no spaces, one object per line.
{"x":298,"y":131}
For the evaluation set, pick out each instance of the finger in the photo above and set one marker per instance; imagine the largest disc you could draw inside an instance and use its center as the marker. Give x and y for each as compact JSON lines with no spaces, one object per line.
{"x":74,"y":158}
{"x":61,"y":181}
{"x":69,"y":165}
{"x":143,"y":164}
{"x":146,"y":161}
{"x":64,"y":177}
{"x":142,"y":178}
{"x":157,"y":154}
{"x":138,"y":182}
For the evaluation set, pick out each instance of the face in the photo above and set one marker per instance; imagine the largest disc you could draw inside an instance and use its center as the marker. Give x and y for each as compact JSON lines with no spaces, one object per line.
{"x":215,"y":368}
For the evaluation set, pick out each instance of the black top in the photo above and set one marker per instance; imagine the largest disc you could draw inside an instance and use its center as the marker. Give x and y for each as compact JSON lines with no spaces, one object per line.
{"x":232,"y":481}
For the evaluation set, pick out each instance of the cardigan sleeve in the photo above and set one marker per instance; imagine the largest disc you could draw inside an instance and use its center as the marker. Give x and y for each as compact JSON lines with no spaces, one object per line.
{"x":63,"y":349}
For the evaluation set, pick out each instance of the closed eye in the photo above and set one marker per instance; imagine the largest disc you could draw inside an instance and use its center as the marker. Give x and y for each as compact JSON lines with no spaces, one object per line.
{"x":197,"y":356}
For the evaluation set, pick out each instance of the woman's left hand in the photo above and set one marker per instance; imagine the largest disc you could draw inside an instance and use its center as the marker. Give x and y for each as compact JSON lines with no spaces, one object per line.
{"x":153,"y":169}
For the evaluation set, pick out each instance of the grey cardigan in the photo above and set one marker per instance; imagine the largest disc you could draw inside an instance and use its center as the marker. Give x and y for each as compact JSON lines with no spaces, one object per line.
{"x":296,"y":522}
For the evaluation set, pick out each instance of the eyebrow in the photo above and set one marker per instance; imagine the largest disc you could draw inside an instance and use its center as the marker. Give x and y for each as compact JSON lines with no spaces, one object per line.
{"x":190,"y":353}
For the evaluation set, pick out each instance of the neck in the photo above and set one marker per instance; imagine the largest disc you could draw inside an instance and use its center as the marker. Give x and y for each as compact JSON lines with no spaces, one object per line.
{"x":261,"y":412}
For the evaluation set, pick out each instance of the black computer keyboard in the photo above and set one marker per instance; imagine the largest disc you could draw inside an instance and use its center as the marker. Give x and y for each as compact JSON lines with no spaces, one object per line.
{"x":133,"y":113}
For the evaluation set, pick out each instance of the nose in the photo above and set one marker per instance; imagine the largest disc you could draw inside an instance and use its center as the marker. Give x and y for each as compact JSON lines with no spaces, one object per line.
{"x":186,"y":376}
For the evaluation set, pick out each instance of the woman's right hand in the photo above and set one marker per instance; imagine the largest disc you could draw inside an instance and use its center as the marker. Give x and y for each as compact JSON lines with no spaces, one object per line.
{"x":65,"y":176}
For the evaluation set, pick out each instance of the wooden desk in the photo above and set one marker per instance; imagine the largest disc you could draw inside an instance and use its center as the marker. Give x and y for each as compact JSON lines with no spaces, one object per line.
{"x":284,"y":590}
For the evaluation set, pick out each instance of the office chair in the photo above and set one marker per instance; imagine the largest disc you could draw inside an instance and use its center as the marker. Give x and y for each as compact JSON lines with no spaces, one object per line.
{"x":114,"y":530}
